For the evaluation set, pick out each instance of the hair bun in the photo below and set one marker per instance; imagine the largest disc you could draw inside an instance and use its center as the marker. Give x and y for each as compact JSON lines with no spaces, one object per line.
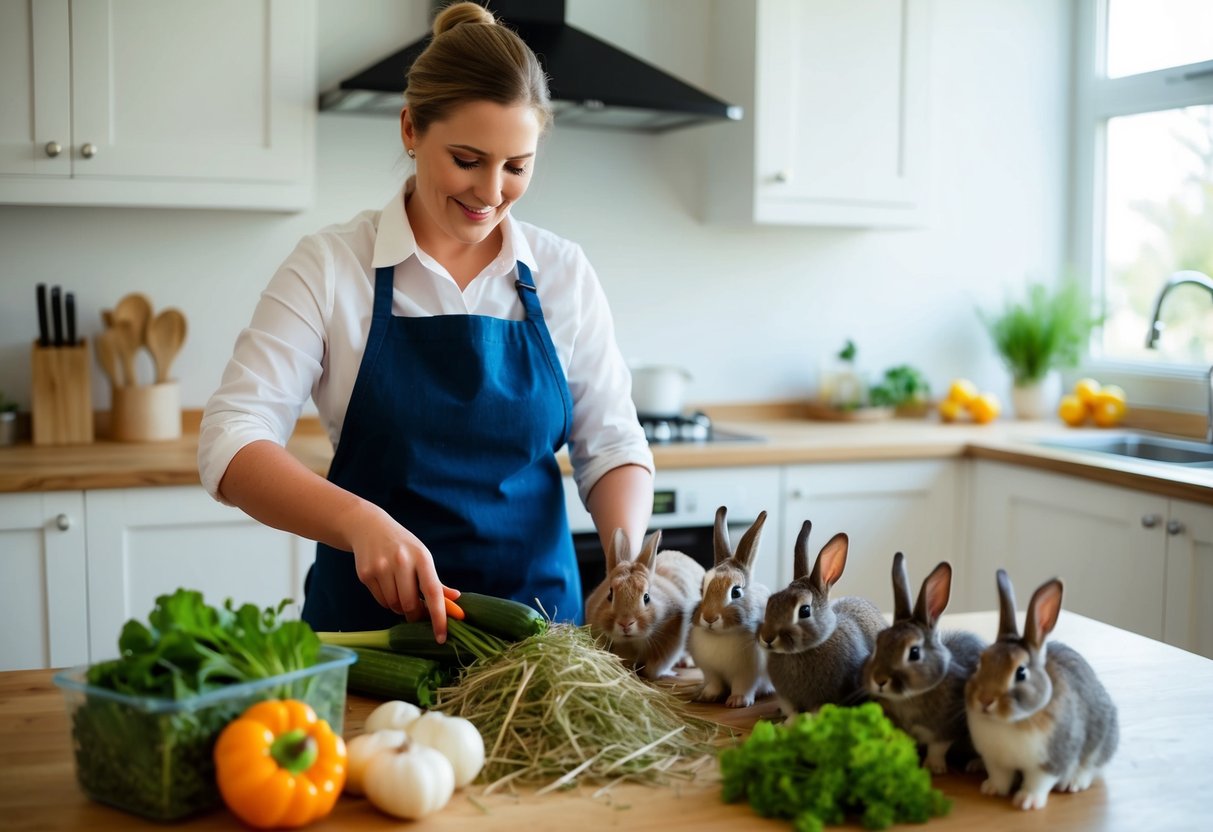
{"x":457,"y":14}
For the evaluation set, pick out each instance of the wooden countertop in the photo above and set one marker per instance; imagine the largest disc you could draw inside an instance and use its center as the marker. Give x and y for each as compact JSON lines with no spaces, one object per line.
{"x":1158,"y":779}
{"x":103,"y":464}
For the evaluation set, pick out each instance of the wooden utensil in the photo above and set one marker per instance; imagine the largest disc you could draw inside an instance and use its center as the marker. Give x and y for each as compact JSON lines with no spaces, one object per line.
{"x":136,"y":310}
{"x":127,"y":344}
{"x":109,"y":354}
{"x":165,"y":335}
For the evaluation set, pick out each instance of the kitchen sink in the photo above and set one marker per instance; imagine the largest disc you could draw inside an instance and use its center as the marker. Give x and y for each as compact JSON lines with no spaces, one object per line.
{"x":1139,"y":446}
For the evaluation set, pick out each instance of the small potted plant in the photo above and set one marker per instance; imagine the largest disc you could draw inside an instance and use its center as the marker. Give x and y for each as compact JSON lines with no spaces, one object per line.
{"x":1036,"y":336}
{"x":8,"y":421}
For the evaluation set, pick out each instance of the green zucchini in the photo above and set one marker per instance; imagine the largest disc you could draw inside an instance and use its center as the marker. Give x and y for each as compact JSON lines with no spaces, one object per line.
{"x":416,"y":638}
{"x":501,"y":617}
{"x":387,"y":675}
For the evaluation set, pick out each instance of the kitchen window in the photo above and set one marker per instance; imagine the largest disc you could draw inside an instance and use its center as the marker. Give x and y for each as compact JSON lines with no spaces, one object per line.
{"x":1143,"y":186}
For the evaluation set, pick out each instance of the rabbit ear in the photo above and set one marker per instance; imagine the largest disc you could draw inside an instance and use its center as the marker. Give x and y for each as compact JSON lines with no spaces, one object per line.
{"x":901,"y":589}
{"x":1042,"y":613}
{"x":831,"y":560}
{"x":934,"y":595}
{"x":1007,"y":628}
{"x":649,"y":550}
{"x":619,"y":550}
{"x":721,"y":548}
{"x":800,"y":555}
{"x":748,"y":547}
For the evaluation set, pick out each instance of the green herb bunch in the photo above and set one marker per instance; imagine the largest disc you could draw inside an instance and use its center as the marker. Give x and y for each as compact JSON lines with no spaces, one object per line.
{"x":901,"y":386}
{"x":1046,"y":331}
{"x":820,"y":768}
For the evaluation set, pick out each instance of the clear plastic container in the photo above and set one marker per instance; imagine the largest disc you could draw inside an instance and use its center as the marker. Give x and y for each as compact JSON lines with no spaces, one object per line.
{"x":153,"y":757}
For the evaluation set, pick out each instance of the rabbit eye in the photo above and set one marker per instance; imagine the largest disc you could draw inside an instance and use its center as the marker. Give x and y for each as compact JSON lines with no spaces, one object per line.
{"x":646,"y":597}
{"x":805,"y":612}
{"x":1021,"y":674}
{"x":736,"y":592}
{"x":915,"y":653}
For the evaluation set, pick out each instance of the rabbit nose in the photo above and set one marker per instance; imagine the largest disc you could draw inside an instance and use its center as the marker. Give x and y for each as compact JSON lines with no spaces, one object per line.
{"x":711,"y":620}
{"x":987,"y":702}
{"x":626,"y":625}
{"x":880,"y":683}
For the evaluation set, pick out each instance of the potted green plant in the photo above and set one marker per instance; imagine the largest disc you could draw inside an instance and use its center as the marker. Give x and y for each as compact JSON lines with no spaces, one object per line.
{"x":8,"y":421}
{"x":1037,"y":335}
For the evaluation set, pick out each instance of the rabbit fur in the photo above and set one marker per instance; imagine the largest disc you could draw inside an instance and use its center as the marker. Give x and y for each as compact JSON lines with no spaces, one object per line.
{"x":643,"y":607}
{"x":1040,"y":712}
{"x":918,"y":673}
{"x":723,"y":640}
{"x":817,"y":648}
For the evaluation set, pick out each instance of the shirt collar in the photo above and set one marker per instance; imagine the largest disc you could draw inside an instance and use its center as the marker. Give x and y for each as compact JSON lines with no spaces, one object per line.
{"x":395,"y":243}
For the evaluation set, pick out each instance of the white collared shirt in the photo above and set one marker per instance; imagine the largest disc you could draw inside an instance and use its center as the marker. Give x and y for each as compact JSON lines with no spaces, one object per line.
{"x":309,"y":331}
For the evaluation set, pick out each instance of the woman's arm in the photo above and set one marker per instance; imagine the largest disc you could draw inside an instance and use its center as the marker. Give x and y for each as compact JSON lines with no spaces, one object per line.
{"x":273,"y":487}
{"x":622,"y":499}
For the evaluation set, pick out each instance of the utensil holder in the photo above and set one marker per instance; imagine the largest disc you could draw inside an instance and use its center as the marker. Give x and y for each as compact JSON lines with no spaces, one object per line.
{"x":62,"y":407}
{"x":147,"y":413}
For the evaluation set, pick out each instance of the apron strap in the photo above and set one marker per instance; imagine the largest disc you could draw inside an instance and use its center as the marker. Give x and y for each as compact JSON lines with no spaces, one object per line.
{"x":527,"y":293}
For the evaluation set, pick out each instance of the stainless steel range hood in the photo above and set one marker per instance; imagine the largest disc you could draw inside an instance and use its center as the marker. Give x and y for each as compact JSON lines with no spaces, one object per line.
{"x":593,"y":83}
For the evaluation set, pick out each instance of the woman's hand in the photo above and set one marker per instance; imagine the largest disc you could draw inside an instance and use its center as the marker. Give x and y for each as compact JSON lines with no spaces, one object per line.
{"x":396,"y":566}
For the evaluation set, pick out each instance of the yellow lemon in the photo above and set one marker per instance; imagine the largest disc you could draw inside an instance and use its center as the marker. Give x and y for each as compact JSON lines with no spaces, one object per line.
{"x":1109,"y":406}
{"x":1071,"y":410}
{"x":1086,"y":389}
{"x":985,"y":408}
{"x":949,"y":410}
{"x":962,"y":391}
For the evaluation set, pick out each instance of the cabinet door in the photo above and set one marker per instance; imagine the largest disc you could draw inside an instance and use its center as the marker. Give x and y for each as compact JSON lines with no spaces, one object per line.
{"x":146,"y":542}
{"x":35,"y":91}
{"x":1189,"y":612}
{"x":44,"y":591}
{"x":1106,"y":543}
{"x":884,"y":508}
{"x":192,"y":91}
{"x":841,"y":111}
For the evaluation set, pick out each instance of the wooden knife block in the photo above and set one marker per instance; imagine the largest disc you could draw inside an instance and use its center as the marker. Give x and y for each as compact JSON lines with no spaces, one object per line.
{"x":62,"y":407}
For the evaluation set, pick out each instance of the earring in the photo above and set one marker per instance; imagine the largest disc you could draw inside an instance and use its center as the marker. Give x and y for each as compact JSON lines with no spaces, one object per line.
{"x":412,"y":153}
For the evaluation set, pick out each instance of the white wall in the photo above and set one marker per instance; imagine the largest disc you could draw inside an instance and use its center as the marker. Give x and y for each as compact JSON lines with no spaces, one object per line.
{"x":750,"y":311}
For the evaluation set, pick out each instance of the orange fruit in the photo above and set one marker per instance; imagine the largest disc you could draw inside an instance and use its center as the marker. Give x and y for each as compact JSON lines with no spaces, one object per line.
{"x":962,"y":391}
{"x":949,"y":410}
{"x":985,"y":408}
{"x":1072,"y":410}
{"x":1086,"y":389}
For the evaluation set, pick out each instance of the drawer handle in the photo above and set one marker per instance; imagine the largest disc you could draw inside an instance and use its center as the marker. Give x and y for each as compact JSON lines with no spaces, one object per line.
{"x":53,"y":149}
{"x":88,"y":150}
{"x":1174,"y":527}
{"x":1149,"y":521}
{"x":63,"y":522}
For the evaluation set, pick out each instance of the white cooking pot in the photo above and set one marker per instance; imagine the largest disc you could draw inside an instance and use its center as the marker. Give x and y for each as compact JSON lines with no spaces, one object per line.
{"x":658,"y":390}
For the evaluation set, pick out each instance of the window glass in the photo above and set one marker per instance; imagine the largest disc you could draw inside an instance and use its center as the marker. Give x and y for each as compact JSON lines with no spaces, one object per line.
{"x":1145,"y":35}
{"x":1159,"y":220}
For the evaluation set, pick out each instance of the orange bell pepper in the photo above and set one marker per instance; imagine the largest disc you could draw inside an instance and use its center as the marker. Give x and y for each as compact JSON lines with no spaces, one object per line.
{"x":279,"y":766}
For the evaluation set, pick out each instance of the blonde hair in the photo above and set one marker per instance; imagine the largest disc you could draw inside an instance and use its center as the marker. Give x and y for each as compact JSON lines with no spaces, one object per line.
{"x":473,"y":58}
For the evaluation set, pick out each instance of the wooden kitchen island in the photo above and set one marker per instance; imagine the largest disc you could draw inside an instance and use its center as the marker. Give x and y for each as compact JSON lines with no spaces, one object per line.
{"x":1161,"y":777}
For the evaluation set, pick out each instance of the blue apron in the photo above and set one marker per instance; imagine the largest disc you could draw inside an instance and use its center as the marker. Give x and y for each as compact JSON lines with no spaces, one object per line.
{"x":452,"y":428}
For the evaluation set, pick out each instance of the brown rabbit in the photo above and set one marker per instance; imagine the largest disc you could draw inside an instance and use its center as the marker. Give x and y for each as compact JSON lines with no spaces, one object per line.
{"x":643,"y":607}
{"x":817,"y":648}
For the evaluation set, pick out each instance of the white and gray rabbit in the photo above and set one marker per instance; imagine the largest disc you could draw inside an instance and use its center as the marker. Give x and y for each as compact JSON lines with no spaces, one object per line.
{"x":919,"y":673}
{"x":724,"y":628}
{"x":643,"y":607}
{"x":1035,"y":710}
{"x":817,"y":648}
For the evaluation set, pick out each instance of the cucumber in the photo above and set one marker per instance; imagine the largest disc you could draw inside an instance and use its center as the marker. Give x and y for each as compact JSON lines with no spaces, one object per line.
{"x":387,"y":675}
{"x":416,"y":638}
{"x":502,"y":617}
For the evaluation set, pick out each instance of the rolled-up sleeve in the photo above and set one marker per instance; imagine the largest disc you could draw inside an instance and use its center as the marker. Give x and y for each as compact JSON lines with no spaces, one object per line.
{"x":275,"y":366}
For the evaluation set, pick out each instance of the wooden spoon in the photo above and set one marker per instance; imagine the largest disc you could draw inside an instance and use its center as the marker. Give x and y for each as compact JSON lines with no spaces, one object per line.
{"x":165,"y":335}
{"x":109,"y":352}
{"x":126,"y":344}
{"x":136,"y":310}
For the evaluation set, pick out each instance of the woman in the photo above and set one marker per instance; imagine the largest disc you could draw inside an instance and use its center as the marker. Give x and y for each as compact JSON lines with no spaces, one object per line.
{"x":451,"y":350}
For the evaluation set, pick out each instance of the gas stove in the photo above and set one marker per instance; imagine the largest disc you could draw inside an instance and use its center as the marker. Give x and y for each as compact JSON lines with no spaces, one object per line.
{"x":696,"y":427}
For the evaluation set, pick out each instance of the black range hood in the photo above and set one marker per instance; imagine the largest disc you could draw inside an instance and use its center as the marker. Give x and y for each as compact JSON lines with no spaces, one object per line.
{"x":593,"y":84}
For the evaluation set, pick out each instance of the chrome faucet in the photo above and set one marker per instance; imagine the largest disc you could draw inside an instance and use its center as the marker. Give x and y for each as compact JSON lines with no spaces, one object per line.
{"x":1177,"y":279}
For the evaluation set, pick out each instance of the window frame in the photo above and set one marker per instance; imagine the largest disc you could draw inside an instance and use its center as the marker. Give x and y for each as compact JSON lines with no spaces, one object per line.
{"x":1096,"y":98}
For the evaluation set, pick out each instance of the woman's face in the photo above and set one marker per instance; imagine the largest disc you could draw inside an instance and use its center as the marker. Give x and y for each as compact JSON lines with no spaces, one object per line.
{"x":471,"y":167}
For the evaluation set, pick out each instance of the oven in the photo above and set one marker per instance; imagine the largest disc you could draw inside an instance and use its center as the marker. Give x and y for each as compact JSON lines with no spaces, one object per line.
{"x":684,"y":508}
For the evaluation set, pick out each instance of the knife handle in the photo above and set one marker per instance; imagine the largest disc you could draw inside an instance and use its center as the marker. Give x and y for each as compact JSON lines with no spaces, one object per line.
{"x":69,"y":312}
{"x":43,"y":330}
{"x":56,"y":317}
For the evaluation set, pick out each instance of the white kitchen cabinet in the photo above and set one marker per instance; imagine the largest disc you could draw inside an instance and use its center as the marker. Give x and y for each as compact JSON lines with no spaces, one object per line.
{"x":43,"y":580}
{"x":1189,"y":599}
{"x":884,"y":507}
{"x":146,"y":542}
{"x":1108,"y":544}
{"x":165,"y":103}
{"x":836,"y":103}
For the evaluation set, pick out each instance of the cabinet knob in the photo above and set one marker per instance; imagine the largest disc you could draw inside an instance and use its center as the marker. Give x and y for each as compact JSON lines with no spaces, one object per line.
{"x":63,"y":522}
{"x":1149,"y":521}
{"x":783,"y":176}
{"x":88,"y":150}
{"x":1174,"y":527}
{"x":53,"y":149}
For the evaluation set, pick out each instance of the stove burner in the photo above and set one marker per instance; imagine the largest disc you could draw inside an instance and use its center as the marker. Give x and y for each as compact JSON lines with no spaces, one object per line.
{"x":697,"y":427}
